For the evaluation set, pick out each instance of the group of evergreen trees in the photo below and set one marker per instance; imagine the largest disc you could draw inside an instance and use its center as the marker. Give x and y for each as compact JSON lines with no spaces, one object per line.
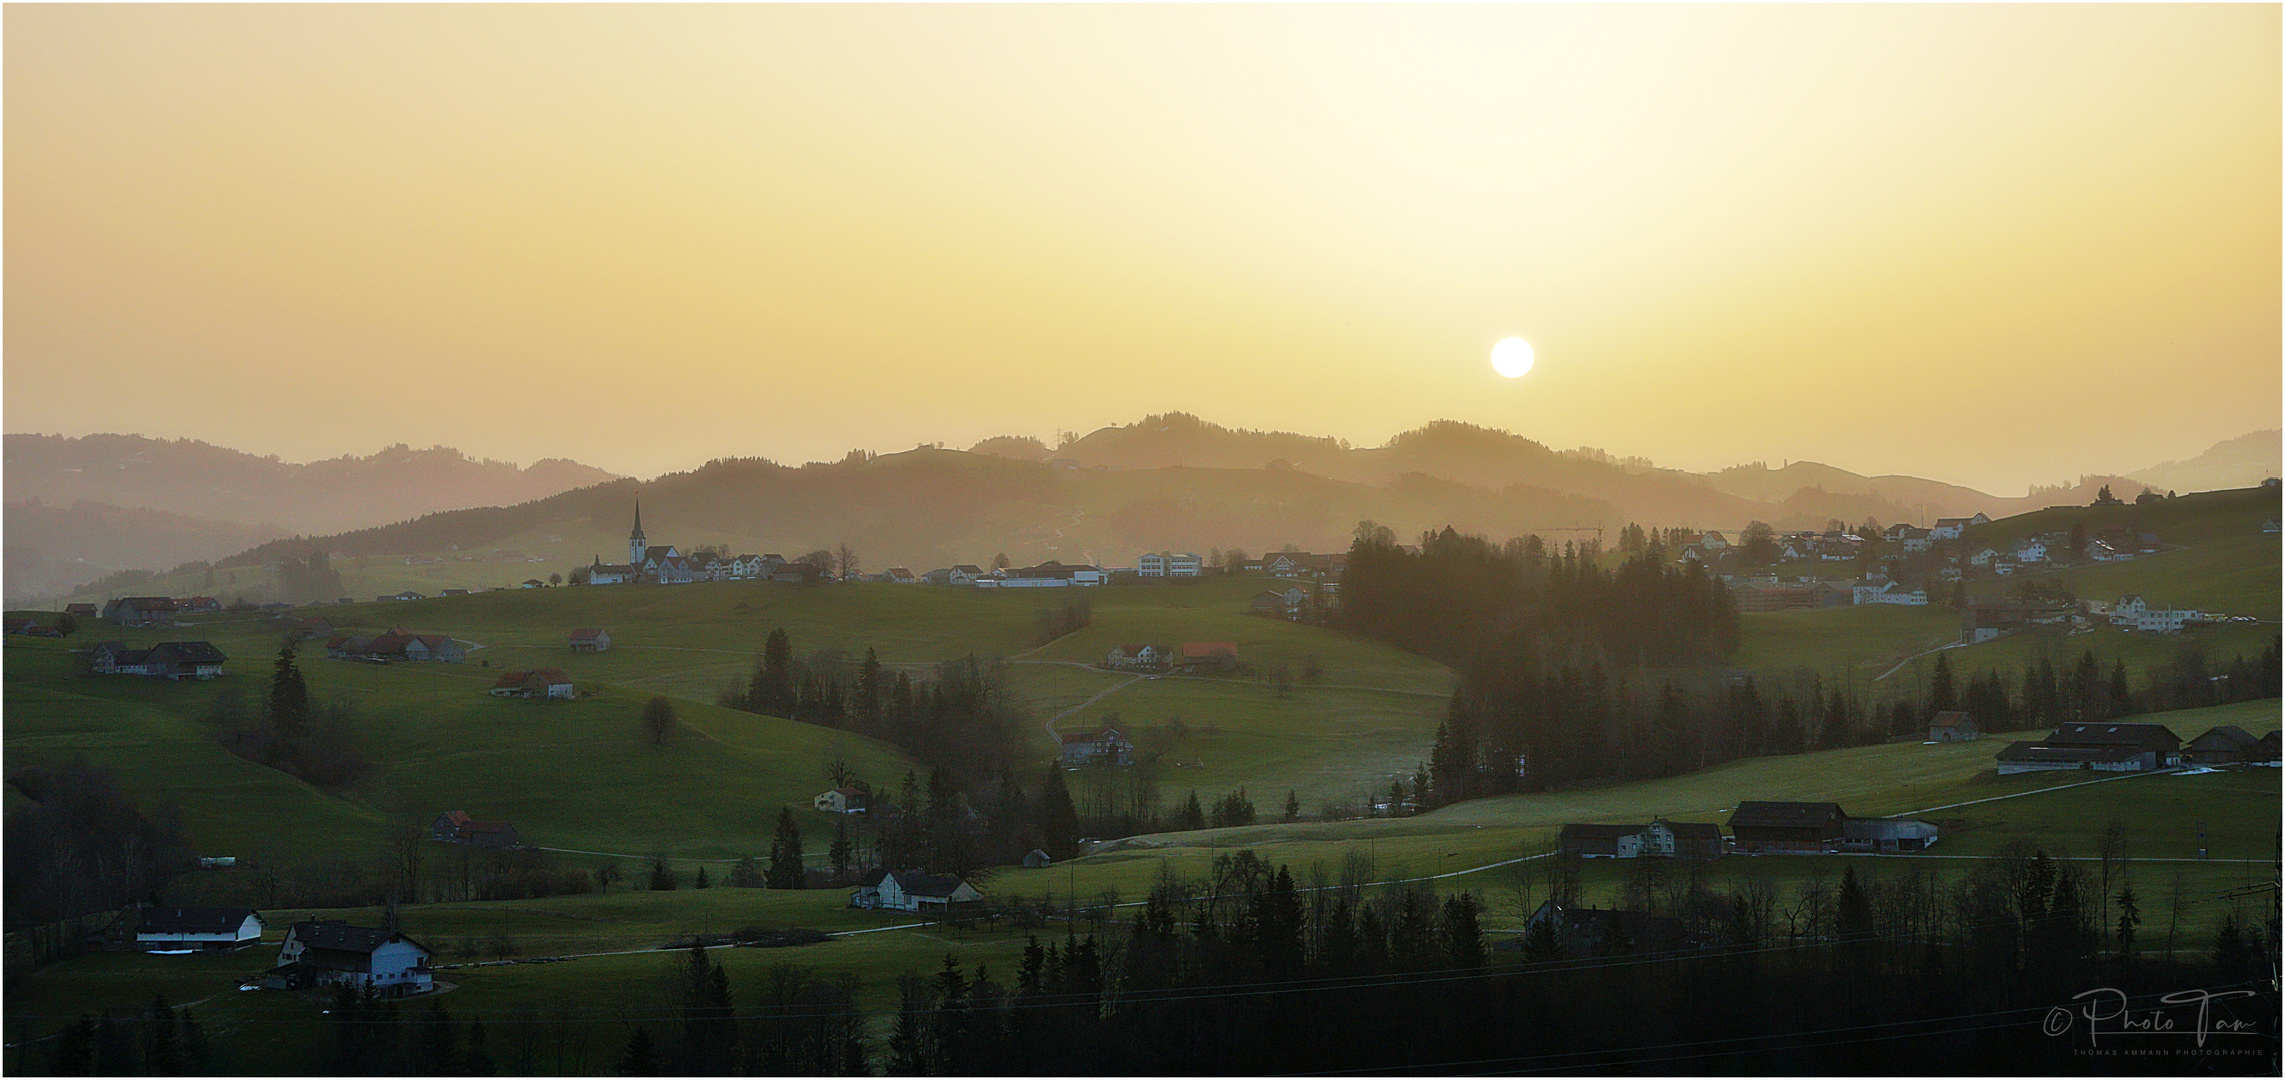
{"x":160,"y":1040}
{"x":292,"y":733}
{"x":1458,"y":591}
{"x":1246,"y":973}
{"x":961,"y":716}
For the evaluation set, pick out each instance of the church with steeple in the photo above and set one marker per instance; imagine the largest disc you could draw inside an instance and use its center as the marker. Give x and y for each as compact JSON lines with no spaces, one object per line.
{"x":646,"y":562}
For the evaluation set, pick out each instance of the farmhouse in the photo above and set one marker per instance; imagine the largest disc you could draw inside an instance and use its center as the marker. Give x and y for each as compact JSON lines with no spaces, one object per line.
{"x":81,"y":611}
{"x":544,"y":683}
{"x":2095,"y":747}
{"x":1688,"y":840}
{"x":796,"y":573}
{"x":2224,"y":745}
{"x":1787,"y":826}
{"x":1135,"y":656}
{"x":1304,"y":564}
{"x":1052,"y":575}
{"x":165,"y":660}
{"x":140,"y":610}
{"x":456,"y":827}
{"x":590,"y":639}
{"x":417,"y":647}
{"x":841,"y":800}
{"x":1208,"y":655}
{"x":1583,"y":932}
{"x":334,"y":953}
{"x":1094,"y":746}
{"x":907,"y":890}
{"x":1953,"y":726}
{"x":203,"y":929}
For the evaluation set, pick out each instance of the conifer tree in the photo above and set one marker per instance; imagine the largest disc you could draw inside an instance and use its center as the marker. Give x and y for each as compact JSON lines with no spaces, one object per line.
{"x":785,"y":854}
{"x":289,"y":697}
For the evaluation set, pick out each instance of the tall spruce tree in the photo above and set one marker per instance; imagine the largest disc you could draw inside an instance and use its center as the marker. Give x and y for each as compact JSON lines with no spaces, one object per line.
{"x":289,"y":697}
{"x":1058,"y":819}
{"x":785,"y":854}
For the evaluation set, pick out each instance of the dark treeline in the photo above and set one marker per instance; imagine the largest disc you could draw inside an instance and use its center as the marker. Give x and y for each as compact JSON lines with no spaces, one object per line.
{"x":1571,"y":673}
{"x":1249,"y":971}
{"x":311,"y":577}
{"x":1251,"y":975}
{"x":961,"y":717}
{"x":1457,"y":591}
{"x":82,"y":847}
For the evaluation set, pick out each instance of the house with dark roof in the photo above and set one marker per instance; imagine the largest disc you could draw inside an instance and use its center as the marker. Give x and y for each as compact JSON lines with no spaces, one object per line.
{"x":2224,"y":745}
{"x":456,"y":827}
{"x":1787,"y":826}
{"x":2264,"y":750}
{"x":1089,"y":747}
{"x":909,"y":890}
{"x":841,"y":800}
{"x":334,"y":953}
{"x":590,"y":639}
{"x":1207,"y":656}
{"x":207,"y":929}
{"x":78,"y":611}
{"x":140,"y":610}
{"x":543,"y":683}
{"x":1582,"y":932}
{"x":2095,"y":747}
{"x":165,"y":660}
{"x":1953,"y":726}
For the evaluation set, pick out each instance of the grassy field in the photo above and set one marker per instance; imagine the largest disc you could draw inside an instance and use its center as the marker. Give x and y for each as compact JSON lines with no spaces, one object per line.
{"x":2235,"y":575}
{"x":577,"y":774}
{"x":618,"y":972}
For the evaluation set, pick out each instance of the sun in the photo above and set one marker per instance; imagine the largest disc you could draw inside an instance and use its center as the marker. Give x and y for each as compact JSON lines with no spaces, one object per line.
{"x":1512,"y":357}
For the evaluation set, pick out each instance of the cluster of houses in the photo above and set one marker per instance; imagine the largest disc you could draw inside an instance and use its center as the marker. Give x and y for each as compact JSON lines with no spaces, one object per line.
{"x":2122,"y":748}
{"x":316,"y":952}
{"x":397,"y":644}
{"x":1190,"y":656}
{"x":148,"y":610}
{"x":1755,"y":827}
{"x":165,"y":660}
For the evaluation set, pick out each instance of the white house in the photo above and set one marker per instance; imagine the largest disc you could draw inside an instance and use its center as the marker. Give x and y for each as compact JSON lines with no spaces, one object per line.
{"x":1134,"y":656}
{"x":203,"y":929}
{"x":2031,"y":551}
{"x":906,"y":890}
{"x":1712,"y":541}
{"x":841,"y":800}
{"x":334,"y":953}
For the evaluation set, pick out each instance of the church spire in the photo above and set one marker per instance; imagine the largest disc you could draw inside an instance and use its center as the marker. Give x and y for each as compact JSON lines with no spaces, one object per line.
{"x":637,"y":545}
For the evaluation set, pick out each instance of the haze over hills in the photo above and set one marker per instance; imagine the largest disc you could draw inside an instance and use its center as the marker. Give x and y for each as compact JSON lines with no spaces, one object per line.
{"x":1166,"y":481}
{"x":79,"y":508}
{"x":2239,"y":462}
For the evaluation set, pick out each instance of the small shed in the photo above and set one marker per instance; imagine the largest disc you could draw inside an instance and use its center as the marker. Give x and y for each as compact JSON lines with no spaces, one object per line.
{"x":1036,"y":860}
{"x":1953,"y":726}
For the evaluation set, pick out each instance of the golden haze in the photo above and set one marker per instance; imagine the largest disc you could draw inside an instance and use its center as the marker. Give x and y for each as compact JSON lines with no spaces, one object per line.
{"x":1992,"y":245}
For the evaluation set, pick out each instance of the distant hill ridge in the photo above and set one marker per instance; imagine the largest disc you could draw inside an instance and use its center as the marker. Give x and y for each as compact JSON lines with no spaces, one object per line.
{"x":186,"y":476}
{"x":80,"y":508}
{"x":1168,"y":481}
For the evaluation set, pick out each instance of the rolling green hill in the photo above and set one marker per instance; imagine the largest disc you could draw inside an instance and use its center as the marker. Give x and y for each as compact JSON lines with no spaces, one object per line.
{"x":577,"y":775}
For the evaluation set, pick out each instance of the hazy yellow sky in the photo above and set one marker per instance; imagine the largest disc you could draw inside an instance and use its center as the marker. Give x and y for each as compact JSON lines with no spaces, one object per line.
{"x":1991,"y":245}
